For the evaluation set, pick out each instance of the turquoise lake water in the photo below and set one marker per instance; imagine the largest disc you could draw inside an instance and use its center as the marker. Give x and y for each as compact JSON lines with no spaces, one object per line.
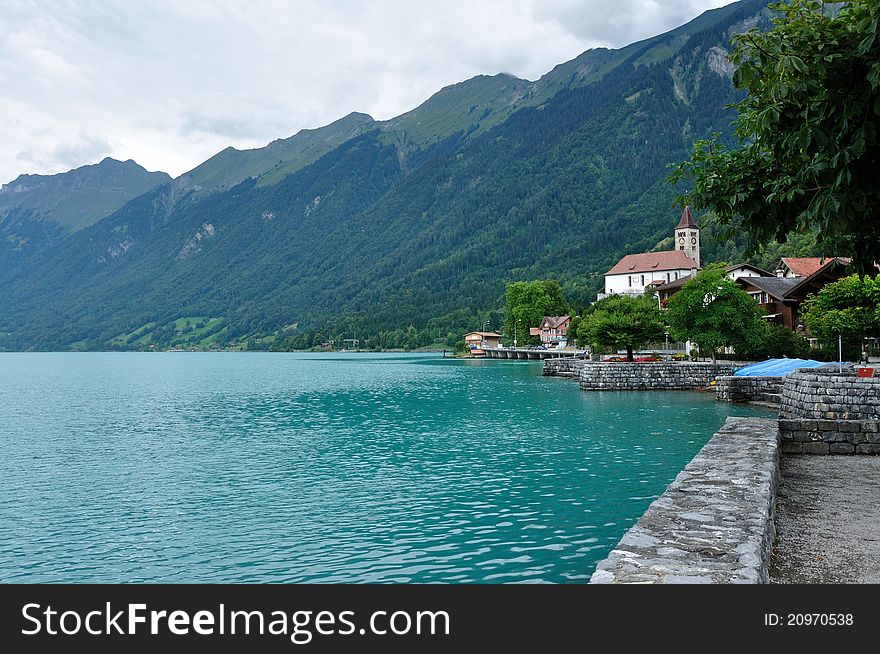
{"x":253,"y":467}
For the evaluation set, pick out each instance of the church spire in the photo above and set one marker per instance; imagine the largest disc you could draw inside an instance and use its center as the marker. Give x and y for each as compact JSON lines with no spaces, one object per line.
{"x":687,"y":220}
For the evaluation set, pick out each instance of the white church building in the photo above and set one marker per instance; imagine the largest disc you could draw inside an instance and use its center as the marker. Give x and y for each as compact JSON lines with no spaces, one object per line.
{"x":636,"y":273}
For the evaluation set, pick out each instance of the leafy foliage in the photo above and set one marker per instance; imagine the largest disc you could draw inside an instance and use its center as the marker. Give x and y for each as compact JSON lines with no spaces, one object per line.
{"x":777,"y":342}
{"x":528,"y":303}
{"x":808,"y":127}
{"x":848,"y":308}
{"x":622,"y":321}
{"x":714,"y":312}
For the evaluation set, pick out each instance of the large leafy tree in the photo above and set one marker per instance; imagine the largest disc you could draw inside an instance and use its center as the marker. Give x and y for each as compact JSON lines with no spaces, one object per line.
{"x":622,"y":321}
{"x":529,"y":302}
{"x":713,"y":312}
{"x":848,"y":308}
{"x":808,"y":127}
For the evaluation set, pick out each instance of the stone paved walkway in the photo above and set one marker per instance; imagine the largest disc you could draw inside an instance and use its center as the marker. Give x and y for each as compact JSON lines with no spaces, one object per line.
{"x":827,"y":520}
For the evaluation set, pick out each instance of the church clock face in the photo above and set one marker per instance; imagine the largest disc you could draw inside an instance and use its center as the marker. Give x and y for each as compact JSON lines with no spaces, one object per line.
{"x":681,"y":241}
{"x":693,"y":241}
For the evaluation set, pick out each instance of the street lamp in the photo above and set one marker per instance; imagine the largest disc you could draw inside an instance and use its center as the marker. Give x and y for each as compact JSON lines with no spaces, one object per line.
{"x":667,"y":344}
{"x":515,"y":328}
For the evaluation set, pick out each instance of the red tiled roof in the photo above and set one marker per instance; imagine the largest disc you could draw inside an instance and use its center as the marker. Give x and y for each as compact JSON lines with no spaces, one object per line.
{"x":806,"y":266}
{"x":832,"y":270}
{"x":554,"y":322}
{"x":653,"y":261}
{"x":687,"y":220}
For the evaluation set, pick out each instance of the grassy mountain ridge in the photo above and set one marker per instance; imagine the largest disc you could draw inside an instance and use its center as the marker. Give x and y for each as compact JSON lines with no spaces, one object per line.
{"x":380,"y":235}
{"x":276,"y":160}
{"x":36,"y":210}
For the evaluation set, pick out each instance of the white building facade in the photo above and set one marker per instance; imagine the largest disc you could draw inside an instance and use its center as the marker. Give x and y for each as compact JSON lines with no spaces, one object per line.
{"x":636,"y":273}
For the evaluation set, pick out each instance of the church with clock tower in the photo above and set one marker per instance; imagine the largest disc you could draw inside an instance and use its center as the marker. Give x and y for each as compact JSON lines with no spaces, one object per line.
{"x":687,"y":236}
{"x":637,"y":273}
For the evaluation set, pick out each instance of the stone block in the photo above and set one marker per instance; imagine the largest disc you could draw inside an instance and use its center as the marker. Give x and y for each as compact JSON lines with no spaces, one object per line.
{"x":868,"y":448}
{"x":841,"y":448}
{"x":790,"y":447}
{"x":856,"y":438}
{"x":816,"y":448}
{"x":836,"y":437}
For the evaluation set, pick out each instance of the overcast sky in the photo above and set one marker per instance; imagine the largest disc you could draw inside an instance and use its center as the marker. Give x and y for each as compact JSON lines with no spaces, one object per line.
{"x":169,"y":83}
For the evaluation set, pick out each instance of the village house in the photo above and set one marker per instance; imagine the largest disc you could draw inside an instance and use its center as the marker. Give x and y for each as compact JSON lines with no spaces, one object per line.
{"x":478,"y":342}
{"x":636,"y":273}
{"x":781,"y":296}
{"x":779,"y":293}
{"x":770,"y":294}
{"x":800,"y":266}
{"x":553,"y":331}
{"x":734,"y":271}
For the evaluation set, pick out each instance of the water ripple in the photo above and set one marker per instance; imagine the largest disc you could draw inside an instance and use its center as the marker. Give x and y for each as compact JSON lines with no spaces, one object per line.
{"x":310,"y":468}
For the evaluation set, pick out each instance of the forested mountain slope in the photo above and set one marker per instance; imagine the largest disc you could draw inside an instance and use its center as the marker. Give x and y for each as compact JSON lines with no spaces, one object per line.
{"x":395,"y":231}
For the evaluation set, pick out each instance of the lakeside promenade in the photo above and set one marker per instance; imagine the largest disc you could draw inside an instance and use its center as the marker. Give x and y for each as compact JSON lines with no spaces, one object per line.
{"x":788,"y":500}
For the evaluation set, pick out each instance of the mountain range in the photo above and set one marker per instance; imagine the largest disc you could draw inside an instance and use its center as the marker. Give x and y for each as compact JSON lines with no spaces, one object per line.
{"x":394,"y":232}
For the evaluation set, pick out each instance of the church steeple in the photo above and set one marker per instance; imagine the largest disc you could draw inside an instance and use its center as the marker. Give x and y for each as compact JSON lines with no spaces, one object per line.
{"x":687,"y":235}
{"x":687,"y":220}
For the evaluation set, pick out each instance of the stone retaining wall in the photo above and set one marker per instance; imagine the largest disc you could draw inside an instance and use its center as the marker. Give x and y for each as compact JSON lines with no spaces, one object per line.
{"x":714,"y":523}
{"x":749,"y":389}
{"x":803,"y":436}
{"x":825,"y":411}
{"x":608,"y":376}
{"x":830,"y":395}
{"x":562,"y":367}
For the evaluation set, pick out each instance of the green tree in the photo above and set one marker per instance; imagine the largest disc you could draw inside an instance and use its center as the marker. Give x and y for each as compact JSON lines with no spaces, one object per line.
{"x":713,"y":312}
{"x":529,"y":302}
{"x":777,"y":342}
{"x":848,"y":308}
{"x":622,"y":321}
{"x":808,"y":128}
{"x":572,"y":330}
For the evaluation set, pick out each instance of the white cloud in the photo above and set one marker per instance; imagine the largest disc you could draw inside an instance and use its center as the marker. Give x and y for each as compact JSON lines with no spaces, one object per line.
{"x":169,"y":83}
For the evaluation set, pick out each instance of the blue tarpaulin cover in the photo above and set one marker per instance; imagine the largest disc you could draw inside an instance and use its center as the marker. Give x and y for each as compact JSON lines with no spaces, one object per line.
{"x":776,"y":367}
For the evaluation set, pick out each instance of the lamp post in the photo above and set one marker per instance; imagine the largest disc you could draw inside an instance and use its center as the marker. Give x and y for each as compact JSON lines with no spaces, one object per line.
{"x":667,"y":344}
{"x":515,"y":328}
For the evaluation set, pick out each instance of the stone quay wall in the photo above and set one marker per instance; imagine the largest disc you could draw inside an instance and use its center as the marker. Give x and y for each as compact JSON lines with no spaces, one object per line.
{"x":830,"y":412}
{"x":749,"y":389}
{"x":667,"y":375}
{"x":803,"y":436}
{"x":714,"y":523}
{"x":830,"y":395}
{"x":562,"y":367}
